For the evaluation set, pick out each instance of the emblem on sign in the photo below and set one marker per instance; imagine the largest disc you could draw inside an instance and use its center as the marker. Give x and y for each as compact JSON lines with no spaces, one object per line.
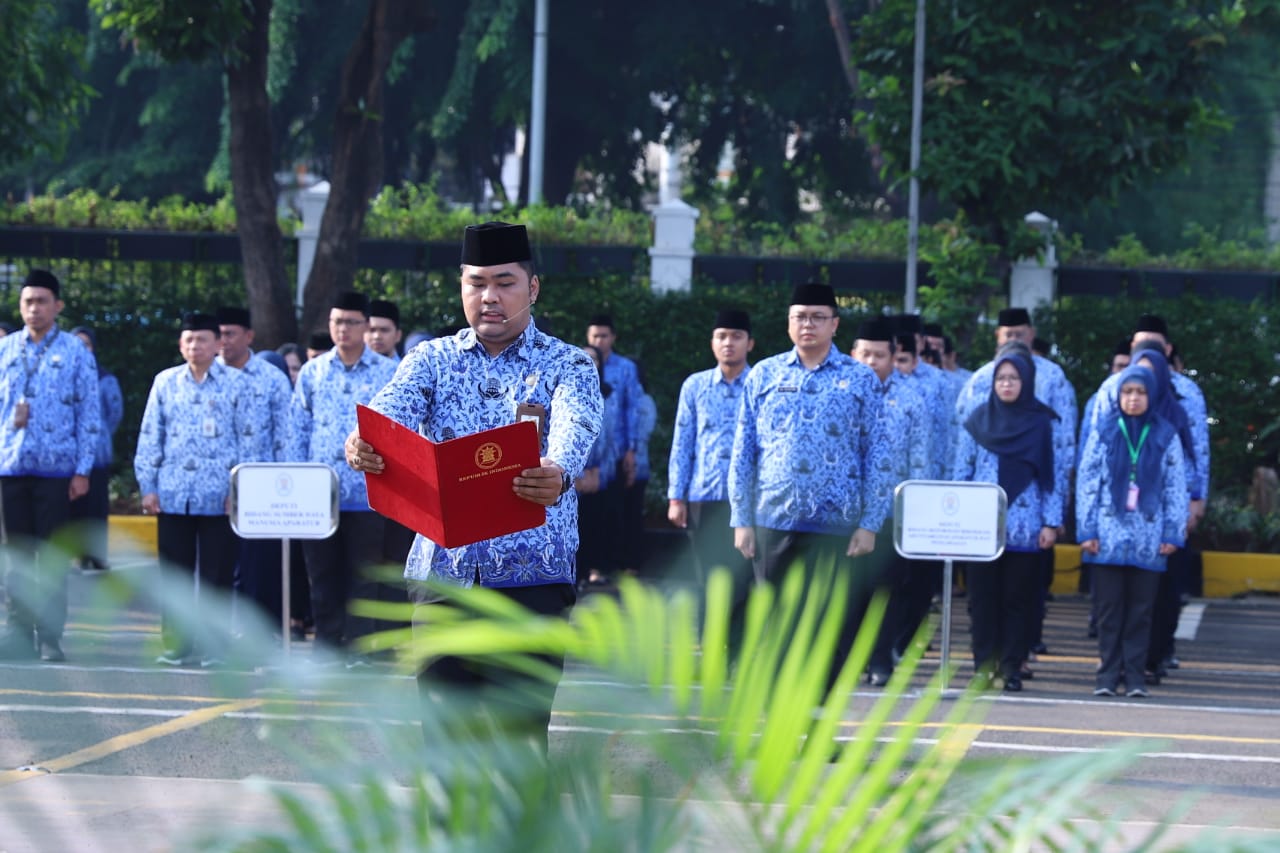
{"x":284,"y":485}
{"x":950,"y":503}
{"x":488,"y":455}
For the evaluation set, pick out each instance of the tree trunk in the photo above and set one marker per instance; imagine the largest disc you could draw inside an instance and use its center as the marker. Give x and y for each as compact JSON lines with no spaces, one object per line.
{"x":254,"y":186}
{"x":357,"y":150}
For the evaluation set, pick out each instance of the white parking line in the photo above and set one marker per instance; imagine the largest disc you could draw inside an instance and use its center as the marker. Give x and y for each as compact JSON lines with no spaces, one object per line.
{"x":1189,"y":621}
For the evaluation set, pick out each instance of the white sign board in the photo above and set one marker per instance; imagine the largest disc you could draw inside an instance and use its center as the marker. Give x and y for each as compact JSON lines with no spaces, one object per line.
{"x":284,"y":500}
{"x":939,"y":519}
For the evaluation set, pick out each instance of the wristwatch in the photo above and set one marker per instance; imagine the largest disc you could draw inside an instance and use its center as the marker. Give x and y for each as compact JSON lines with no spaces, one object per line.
{"x":566,"y":483}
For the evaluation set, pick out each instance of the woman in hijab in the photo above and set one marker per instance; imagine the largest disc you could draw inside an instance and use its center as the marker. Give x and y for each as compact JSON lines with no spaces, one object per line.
{"x":1131,"y":508}
{"x":1009,"y":440}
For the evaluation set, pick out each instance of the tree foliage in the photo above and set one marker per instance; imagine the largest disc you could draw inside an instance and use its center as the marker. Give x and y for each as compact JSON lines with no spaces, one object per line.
{"x":41,"y":94}
{"x":1029,"y":104}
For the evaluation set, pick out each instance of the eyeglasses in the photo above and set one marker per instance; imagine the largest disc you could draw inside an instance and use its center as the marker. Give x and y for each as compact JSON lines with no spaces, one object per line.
{"x":1008,"y":380}
{"x":347,"y":321}
{"x":809,"y":319}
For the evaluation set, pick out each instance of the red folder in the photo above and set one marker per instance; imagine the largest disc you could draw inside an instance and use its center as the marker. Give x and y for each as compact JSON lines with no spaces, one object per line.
{"x":453,"y":492}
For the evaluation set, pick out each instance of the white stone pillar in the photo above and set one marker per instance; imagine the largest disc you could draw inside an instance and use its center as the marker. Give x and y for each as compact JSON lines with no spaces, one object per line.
{"x":312,"y":202}
{"x":1033,"y":281}
{"x":671,"y":256}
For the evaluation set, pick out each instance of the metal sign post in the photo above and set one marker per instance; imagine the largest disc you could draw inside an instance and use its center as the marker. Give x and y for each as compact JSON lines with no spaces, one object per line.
{"x":944,"y":520}
{"x":284,"y":501}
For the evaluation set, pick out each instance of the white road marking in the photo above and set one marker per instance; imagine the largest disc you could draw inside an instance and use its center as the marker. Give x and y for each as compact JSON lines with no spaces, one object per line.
{"x":1189,"y":621}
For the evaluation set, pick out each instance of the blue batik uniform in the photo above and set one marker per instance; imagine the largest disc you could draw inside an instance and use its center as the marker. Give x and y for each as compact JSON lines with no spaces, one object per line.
{"x":702,"y":443}
{"x":111,"y":405}
{"x":623,"y":377}
{"x":270,"y":394}
{"x":324,"y":414}
{"x":451,"y":387}
{"x":1028,"y":512}
{"x":808,"y":454}
{"x":1052,"y":389}
{"x":1190,"y":398}
{"x":646,"y":420}
{"x":58,"y":378}
{"x":192,"y":435}
{"x":1129,"y":538}
{"x":930,"y":386}
{"x":907,"y":426}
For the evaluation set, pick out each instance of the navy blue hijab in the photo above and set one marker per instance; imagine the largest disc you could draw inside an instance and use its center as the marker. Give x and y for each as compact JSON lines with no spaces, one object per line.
{"x":1151,"y":450}
{"x":1164,"y":399}
{"x":1020,"y":433}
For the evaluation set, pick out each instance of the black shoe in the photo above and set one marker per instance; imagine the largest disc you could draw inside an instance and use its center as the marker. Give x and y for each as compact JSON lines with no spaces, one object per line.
{"x":877,"y":678}
{"x":1040,"y":649}
{"x":17,"y":645}
{"x":51,"y":651}
{"x":1026,"y":674}
{"x":1172,"y":662}
{"x":1151,"y":677}
{"x":1013,"y":684}
{"x":1093,"y":630}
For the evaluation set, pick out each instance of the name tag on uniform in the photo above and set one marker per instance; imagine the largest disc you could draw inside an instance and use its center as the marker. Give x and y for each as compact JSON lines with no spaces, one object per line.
{"x":533,"y":412}
{"x":787,"y":389}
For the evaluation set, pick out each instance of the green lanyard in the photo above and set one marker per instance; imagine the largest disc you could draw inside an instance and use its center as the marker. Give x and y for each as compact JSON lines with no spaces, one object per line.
{"x":1134,"y":451}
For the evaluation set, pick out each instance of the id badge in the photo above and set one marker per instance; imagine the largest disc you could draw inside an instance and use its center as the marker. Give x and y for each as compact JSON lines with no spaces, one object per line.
{"x":1131,"y":503}
{"x":21,"y":413}
{"x":533,"y":412}
{"x":209,"y":428}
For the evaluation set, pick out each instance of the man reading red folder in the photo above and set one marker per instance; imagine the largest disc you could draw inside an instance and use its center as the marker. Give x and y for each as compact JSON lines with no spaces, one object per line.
{"x":500,"y":370}
{"x":456,"y":492}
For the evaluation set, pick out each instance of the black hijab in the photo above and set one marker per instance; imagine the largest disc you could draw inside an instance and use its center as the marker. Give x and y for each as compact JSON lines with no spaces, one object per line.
{"x":1020,"y":433}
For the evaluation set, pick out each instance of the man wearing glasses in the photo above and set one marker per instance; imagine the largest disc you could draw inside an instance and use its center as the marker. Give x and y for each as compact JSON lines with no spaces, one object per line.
{"x":810,"y":473}
{"x":323,"y":413}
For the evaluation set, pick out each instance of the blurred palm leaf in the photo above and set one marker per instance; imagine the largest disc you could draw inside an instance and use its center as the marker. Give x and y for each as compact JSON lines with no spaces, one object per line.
{"x":697,"y":749}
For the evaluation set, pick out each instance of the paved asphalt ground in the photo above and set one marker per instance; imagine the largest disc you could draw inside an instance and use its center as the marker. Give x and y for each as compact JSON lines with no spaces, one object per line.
{"x":112,"y":752}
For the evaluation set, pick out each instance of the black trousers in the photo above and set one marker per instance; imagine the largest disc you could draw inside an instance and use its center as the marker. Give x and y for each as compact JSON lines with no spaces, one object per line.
{"x":1167,"y":608}
{"x":89,"y":512}
{"x":187,"y":544}
{"x":600,"y":530}
{"x":1002,"y":599}
{"x":519,"y":704}
{"x":918,"y":582}
{"x":632,"y":556}
{"x":711,"y":539}
{"x":339,"y":571}
{"x":778,"y":550}
{"x":1125,"y":598}
{"x":35,"y":575}
{"x":397,"y":540}
{"x":259,"y":573}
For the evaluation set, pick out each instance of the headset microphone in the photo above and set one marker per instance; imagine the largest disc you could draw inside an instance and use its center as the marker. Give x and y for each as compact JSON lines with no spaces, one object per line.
{"x":518,"y":313}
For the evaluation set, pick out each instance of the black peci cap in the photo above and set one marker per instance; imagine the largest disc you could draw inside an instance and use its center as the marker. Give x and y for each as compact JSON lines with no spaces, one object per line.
{"x":1014,"y":317}
{"x":813,"y":293}
{"x":386,"y":309}
{"x":493,"y":243}
{"x":233,"y":316}
{"x":194,"y":321}
{"x":732,"y":318}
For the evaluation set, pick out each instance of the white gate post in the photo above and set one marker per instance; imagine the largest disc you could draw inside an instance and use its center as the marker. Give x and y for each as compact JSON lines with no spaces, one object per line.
{"x":312,"y":202}
{"x":1032,"y":281}
{"x":671,"y":256}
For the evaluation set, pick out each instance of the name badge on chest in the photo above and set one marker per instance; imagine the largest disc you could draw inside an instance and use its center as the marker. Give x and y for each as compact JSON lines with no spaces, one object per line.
{"x":535,"y":412}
